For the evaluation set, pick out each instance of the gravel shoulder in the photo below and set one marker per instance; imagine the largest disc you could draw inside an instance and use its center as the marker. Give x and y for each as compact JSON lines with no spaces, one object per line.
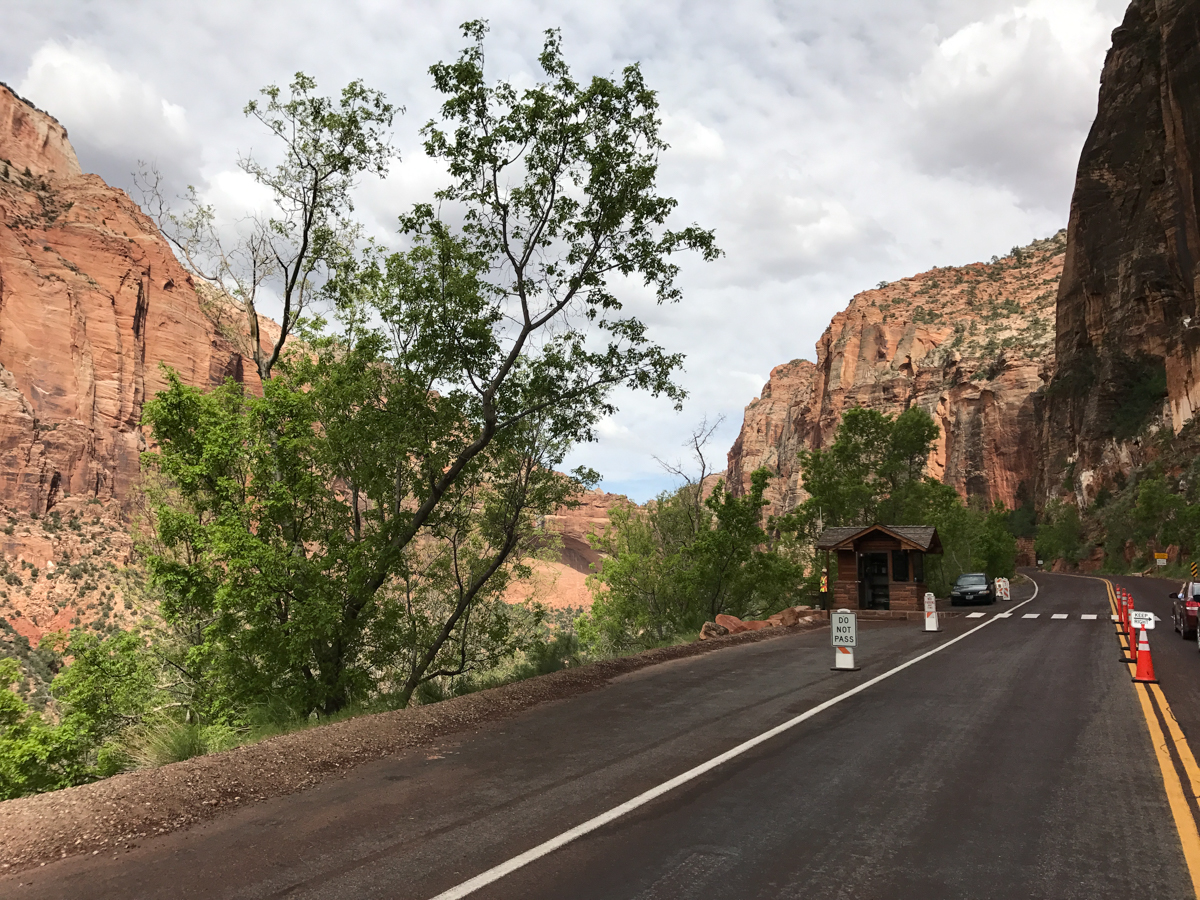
{"x":118,"y":811}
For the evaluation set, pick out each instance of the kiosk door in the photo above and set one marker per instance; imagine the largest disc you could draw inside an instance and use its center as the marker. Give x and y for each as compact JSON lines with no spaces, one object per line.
{"x":873,"y":581}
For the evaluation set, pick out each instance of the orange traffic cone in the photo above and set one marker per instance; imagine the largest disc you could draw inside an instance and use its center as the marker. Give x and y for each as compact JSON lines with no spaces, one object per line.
{"x":1145,"y":665}
{"x":1129,"y":653}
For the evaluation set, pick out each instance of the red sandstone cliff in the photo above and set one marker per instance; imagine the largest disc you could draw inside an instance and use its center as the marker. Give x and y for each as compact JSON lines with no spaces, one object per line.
{"x":971,"y":345}
{"x":1127,"y":305}
{"x":91,"y":301}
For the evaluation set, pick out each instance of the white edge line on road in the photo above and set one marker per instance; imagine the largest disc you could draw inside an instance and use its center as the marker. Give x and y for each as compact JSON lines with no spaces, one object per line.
{"x":505,"y":868}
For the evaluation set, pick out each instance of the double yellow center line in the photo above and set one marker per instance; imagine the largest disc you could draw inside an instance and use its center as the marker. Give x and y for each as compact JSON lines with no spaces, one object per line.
{"x":1150,"y":695}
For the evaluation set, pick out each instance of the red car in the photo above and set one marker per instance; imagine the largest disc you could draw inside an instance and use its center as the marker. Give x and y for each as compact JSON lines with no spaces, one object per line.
{"x":1185,"y":607}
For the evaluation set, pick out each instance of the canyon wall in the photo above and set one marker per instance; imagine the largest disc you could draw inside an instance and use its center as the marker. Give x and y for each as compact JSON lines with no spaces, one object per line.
{"x":92,"y":300}
{"x":972,"y":345}
{"x":1128,"y":326}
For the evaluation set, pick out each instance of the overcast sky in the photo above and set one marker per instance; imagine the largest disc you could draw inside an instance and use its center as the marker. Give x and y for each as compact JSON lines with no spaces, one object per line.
{"x":831,"y":144}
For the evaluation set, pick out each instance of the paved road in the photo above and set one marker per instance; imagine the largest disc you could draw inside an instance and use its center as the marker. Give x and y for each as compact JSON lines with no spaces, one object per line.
{"x":1016,"y":763}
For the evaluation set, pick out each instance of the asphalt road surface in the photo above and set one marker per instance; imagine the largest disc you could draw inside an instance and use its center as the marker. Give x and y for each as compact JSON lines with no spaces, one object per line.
{"x":1018,"y":762}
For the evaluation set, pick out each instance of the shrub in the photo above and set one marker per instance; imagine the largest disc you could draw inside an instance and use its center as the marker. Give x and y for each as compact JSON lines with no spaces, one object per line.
{"x":167,"y":742}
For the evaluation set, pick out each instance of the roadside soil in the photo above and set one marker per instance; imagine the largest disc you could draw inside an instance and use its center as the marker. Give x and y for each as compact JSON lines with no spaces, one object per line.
{"x":118,"y":812}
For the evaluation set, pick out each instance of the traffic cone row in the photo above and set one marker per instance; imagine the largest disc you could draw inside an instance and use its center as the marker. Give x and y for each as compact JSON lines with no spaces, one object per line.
{"x":1139,"y":641}
{"x":1124,"y":605}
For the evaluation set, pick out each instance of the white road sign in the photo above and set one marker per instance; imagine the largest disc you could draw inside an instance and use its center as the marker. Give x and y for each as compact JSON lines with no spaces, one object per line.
{"x":930,"y":604}
{"x":1140,"y":617}
{"x":843,"y":629}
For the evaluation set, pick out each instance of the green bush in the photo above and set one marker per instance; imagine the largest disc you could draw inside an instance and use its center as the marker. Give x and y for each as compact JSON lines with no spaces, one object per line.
{"x":1060,"y":534}
{"x":167,"y":742}
{"x":682,"y":562}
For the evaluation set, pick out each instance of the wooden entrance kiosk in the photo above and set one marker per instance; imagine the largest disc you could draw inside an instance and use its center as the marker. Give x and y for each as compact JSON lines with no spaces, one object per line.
{"x":880,"y":566}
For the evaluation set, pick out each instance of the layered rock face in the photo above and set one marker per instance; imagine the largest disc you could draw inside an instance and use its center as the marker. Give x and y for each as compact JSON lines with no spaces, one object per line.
{"x":91,"y":301}
{"x":971,"y":345}
{"x":1127,"y":308}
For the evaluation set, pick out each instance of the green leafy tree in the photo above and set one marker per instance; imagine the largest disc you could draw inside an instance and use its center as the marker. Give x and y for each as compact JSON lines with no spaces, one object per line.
{"x":352,"y":530}
{"x":1060,"y":533}
{"x":109,"y":688}
{"x":996,"y":546}
{"x":32,"y":756}
{"x":874,"y":471}
{"x":327,"y":146}
{"x":685,"y":560}
{"x":1158,"y":513}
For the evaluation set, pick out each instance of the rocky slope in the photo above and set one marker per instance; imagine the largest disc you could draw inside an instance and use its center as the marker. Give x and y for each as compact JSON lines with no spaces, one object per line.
{"x":1128,"y":330}
{"x":971,"y":344}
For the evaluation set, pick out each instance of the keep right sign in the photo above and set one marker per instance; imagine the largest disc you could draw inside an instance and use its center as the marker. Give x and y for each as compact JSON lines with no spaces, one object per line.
{"x":1139,"y":618}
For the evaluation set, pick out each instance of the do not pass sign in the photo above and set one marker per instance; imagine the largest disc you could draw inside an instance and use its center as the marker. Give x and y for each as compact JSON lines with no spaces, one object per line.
{"x":843,"y":629}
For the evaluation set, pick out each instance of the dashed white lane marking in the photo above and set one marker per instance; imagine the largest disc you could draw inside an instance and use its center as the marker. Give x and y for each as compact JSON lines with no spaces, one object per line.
{"x":1003,"y":615}
{"x":1059,"y":616}
{"x":497,"y":872}
{"x":1030,"y":615}
{"x":976,"y":615}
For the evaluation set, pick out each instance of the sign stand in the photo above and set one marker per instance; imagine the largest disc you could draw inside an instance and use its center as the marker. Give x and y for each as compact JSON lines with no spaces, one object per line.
{"x":843,"y":635}
{"x":931,"y":616}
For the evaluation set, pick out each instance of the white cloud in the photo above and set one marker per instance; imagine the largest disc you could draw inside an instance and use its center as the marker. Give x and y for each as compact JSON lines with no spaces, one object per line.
{"x":1002,"y":98}
{"x":113,"y":117}
{"x":830,"y":144}
{"x":691,"y":139}
{"x":237,"y":195}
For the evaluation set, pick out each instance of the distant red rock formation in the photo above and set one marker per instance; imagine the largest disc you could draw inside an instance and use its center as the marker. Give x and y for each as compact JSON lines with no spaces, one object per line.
{"x":969,"y":344}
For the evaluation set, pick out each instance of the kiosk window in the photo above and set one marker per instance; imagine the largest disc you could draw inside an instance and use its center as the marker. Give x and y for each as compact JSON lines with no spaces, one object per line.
{"x":899,"y":565}
{"x":918,"y":566}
